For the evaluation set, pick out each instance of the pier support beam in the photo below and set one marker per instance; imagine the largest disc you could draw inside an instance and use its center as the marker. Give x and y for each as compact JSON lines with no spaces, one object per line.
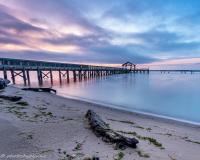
{"x":40,"y":79}
{"x":5,"y":73}
{"x":28,"y":77}
{"x":67,"y":72}
{"x":92,"y":74}
{"x":21,"y":73}
{"x":12,"y":75}
{"x":24,"y":76}
{"x":64,"y":74}
{"x":84,"y":74}
{"x":60,"y":76}
{"x":80,"y":75}
{"x":51,"y":76}
{"x":74,"y":76}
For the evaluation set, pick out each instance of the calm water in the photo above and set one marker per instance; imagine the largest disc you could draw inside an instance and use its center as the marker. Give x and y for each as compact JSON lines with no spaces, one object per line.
{"x":172,"y":95}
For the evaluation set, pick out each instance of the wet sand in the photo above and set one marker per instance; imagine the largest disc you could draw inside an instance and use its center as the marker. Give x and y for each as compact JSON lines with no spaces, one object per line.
{"x":51,"y":127}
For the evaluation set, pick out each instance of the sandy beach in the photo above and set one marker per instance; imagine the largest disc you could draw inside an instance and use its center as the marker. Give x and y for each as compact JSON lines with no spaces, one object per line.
{"x":47,"y":126}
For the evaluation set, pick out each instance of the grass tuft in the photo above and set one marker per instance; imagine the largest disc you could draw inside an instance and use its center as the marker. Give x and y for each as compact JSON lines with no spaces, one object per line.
{"x":142,"y":154}
{"x":122,"y":121}
{"x":150,"y":139}
{"x":119,"y":156}
{"x":22,"y":103}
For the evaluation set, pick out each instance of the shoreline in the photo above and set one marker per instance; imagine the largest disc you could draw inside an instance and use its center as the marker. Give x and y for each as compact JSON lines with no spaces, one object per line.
{"x":126,"y":110}
{"x":54,"y":126}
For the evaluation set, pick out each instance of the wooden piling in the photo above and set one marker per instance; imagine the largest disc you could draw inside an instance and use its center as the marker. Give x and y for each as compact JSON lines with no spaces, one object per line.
{"x":51,"y":76}
{"x":24,"y":76}
{"x":39,"y":74}
{"x":74,"y":75}
{"x":60,"y":76}
{"x":28,"y":77}
{"x":80,"y":75}
{"x":5,"y":73}
{"x":67,"y":72}
{"x":12,"y":76}
{"x":85,"y":74}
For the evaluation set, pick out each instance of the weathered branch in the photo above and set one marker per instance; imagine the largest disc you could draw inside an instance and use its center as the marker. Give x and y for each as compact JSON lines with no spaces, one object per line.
{"x":11,"y":98}
{"x":102,"y":129}
{"x":40,"y":89}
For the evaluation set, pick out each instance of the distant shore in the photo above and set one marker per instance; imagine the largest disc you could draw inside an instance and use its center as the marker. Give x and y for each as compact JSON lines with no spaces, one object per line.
{"x":52,"y":127}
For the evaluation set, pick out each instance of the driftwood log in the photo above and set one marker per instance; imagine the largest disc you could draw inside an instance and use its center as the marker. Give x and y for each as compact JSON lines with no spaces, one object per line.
{"x":100,"y":128}
{"x":40,"y":89}
{"x":10,"y":98}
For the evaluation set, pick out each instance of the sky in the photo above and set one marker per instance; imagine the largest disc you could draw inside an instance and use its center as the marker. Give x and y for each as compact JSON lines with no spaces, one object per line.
{"x":150,"y":32}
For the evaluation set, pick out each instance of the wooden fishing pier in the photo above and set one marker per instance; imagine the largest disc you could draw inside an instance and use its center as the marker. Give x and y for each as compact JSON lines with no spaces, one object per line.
{"x":22,"y":68}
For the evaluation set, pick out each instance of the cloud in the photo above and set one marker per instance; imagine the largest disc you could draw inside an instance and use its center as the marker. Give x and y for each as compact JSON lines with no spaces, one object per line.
{"x":63,"y":14}
{"x":118,"y":54}
{"x":10,"y":22}
{"x":87,"y":40}
{"x":100,"y":31}
{"x":109,"y":54}
{"x":9,"y":40}
{"x":99,"y":49}
{"x":166,"y":41}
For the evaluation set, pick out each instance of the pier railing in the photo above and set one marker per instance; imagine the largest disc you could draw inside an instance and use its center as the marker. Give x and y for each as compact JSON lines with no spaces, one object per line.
{"x":34,"y":65}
